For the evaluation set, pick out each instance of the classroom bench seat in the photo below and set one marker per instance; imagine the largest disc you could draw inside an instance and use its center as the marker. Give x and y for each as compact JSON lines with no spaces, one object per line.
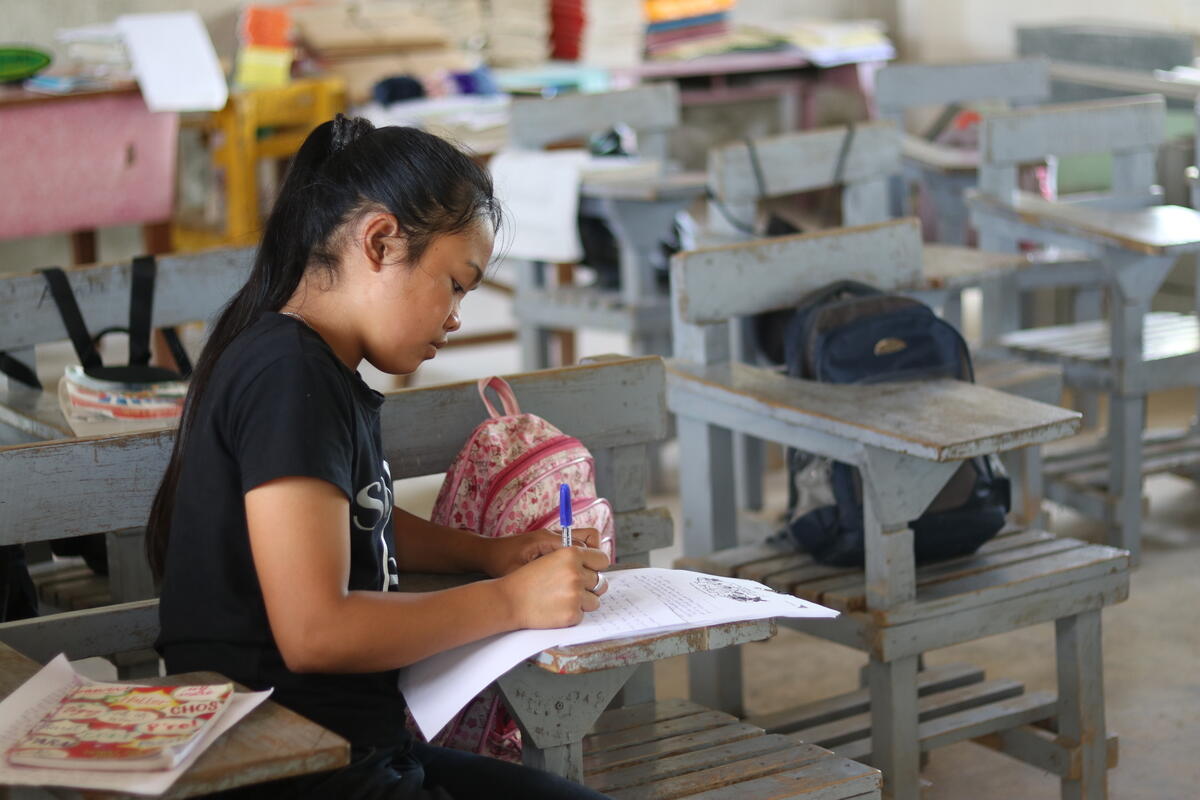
{"x":677,"y":748}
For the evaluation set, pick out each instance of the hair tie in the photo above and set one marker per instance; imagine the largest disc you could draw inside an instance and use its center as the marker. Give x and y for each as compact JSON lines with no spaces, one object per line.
{"x":347,"y":130}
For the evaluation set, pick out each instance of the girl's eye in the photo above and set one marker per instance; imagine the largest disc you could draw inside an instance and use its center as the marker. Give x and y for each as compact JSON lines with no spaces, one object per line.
{"x":458,"y":289}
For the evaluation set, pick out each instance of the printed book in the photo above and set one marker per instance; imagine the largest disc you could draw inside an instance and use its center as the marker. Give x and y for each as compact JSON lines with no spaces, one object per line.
{"x":112,"y":726}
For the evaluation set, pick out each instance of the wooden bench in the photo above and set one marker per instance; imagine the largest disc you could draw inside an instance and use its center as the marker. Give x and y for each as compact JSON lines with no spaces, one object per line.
{"x":1134,"y":242}
{"x":906,"y":440}
{"x":677,"y":748}
{"x":640,"y":214}
{"x":615,"y":406}
{"x":187,"y":288}
{"x":948,"y":172}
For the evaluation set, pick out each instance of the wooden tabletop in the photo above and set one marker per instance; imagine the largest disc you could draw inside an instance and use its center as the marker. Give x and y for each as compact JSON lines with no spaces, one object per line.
{"x":941,"y":420}
{"x":939,"y":156}
{"x":595,"y":656}
{"x":16,"y":96}
{"x":1125,"y":80}
{"x":271,"y":742}
{"x":675,"y":186}
{"x":948,"y":266}
{"x":1155,"y":230}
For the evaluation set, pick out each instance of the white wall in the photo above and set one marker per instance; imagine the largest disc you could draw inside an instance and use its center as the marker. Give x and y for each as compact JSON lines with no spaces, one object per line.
{"x":940,"y":30}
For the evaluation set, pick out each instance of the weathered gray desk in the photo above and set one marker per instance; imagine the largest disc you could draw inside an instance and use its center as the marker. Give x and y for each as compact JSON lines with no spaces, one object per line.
{"x":558,"y":695}
{"x":272,"y":742}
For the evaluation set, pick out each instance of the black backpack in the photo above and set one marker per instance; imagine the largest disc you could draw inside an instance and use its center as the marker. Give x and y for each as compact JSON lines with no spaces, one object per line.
{"x":848,"y":332}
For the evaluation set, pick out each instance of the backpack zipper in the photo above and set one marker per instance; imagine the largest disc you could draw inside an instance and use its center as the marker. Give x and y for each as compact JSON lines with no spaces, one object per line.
{"x":546,"y":448}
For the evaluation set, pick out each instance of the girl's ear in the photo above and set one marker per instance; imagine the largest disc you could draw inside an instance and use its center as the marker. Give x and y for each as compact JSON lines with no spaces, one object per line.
{"x":381,"y":241}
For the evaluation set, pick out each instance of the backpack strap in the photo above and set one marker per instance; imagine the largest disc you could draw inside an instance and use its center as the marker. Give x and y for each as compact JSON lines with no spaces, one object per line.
{"x":18,"y":371}
{"x":68,"y":309}
{"x":141,"y":308}
{"x":507,"y":399}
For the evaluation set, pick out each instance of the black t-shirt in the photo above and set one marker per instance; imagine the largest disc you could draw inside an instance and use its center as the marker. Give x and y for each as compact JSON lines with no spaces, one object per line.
{"x":278,"y":404}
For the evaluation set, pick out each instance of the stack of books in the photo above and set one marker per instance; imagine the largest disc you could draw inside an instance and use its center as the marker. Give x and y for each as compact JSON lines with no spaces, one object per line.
{"x":518,"y":32}
{"x":672,"y":23}
{"x":93,"y":406}
{"x":608,"y":33}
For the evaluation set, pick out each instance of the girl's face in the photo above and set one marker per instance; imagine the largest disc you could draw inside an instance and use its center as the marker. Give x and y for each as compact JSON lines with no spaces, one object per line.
{"x":417,"y":306}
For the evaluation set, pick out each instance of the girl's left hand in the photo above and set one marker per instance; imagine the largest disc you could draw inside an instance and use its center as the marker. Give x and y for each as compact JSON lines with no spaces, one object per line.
{"x":508,"y":553}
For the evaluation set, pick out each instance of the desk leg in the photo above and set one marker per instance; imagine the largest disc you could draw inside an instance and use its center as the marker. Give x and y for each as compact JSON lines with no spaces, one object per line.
{"x":83,"y":247}
{"x":554,"y":712}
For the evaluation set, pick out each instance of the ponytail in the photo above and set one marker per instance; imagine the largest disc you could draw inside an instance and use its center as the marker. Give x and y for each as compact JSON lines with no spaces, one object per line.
{"x":344,"y":167}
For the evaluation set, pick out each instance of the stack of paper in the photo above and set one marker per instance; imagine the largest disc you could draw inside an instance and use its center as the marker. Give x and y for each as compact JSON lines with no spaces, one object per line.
{"x":518,"y":32}
{"x":639,"y":602}
{"x":614,"y":33}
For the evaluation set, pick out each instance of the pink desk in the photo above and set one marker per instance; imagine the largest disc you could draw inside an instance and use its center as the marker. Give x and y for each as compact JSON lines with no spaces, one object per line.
{"x":75,"y":163}
{"x":782,"y":74}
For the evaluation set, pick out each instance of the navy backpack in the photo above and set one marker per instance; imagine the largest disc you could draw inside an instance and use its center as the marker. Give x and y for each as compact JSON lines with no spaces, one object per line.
{"x":848,"y":332}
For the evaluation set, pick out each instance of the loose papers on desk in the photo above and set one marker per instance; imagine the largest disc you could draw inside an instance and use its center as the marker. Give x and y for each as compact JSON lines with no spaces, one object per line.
{"x":540,"y":194}
{"x":26,"y":706}
{"x":639,"y":602}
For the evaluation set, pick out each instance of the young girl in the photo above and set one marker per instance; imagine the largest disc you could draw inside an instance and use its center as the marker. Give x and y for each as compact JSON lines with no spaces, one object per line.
{"x":273,"y":530}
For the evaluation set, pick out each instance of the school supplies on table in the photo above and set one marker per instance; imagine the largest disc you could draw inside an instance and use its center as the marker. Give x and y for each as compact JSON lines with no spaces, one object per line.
{"x":121,"y":727}
{"x":639,"y":602}
{"x":39,"y":702}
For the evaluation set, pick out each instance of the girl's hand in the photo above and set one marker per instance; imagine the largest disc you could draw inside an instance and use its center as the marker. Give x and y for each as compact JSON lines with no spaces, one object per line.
{"x":509,"y":553}
{"x":555,"y":591}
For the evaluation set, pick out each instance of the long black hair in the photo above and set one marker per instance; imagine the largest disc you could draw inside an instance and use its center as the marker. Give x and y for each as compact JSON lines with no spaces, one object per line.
{"x":344,"y":168}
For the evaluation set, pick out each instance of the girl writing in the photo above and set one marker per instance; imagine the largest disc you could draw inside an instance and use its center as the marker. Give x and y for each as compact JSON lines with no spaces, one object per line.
{"x":273,"y":530}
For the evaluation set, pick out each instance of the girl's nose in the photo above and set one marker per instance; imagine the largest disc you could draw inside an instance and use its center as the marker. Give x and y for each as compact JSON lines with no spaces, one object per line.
{"x":454,"y":321}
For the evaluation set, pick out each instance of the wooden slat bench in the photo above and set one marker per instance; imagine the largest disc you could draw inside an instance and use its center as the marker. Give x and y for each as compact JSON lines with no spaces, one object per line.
{"x":677,"y":748}
{"x":1134,"y":243}
{"x":906,"y":440}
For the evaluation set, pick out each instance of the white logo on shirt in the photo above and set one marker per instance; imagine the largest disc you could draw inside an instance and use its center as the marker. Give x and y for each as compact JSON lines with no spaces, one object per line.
{"x":373,"y":503}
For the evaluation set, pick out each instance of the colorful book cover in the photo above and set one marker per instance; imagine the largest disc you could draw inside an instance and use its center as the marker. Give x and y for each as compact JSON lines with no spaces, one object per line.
{"x":110,"y":726}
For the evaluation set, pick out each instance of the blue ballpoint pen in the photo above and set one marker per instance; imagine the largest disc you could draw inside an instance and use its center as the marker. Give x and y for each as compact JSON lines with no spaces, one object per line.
{"x":564,"y":513}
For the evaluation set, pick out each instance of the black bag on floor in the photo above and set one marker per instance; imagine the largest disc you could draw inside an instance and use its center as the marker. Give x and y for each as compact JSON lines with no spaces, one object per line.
{"x":848,"y":332}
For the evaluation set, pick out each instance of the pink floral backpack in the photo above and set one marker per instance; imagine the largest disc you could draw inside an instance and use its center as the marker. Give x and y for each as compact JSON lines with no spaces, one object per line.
{"x":505,"y":481}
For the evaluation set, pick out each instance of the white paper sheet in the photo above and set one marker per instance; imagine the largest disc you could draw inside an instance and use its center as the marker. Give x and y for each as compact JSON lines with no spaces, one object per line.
{"x":638,"y":602}
{"x":174,"y":61}
{"x":540,"y":195}
{"x":25,"y":707}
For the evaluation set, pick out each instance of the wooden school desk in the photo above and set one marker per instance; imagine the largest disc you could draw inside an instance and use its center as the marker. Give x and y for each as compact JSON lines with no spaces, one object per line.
{"x":74,"y":163}
{"x":271,"y":742}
